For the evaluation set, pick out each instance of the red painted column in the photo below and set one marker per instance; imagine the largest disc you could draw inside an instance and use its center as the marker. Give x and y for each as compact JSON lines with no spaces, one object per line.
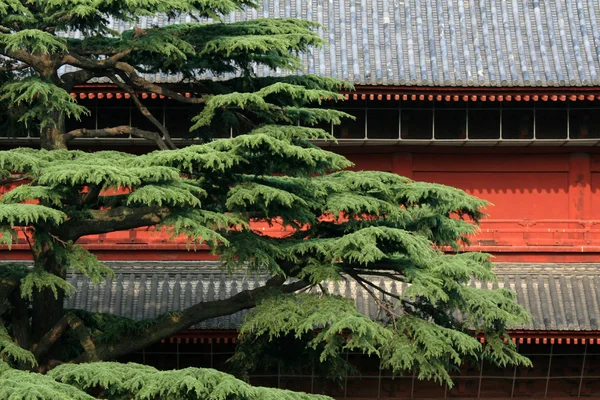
{"x":580,"y":188}
{"x":402,"y":164}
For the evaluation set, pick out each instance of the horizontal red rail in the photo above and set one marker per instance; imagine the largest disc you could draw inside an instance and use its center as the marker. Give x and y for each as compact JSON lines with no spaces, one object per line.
{"x":492,"y":233}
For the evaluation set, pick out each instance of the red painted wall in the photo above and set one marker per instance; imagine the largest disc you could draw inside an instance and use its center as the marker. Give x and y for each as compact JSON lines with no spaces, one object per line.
{"x":546,"y":201}
{"x":543,"y":200}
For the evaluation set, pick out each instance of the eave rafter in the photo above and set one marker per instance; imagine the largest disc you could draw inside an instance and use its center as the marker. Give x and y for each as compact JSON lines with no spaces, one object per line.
{"x":396,"y":93}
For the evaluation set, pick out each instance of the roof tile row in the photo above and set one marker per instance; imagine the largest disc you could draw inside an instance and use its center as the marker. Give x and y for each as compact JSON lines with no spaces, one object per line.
{"x":560,"y":297}
{"x":441,"y":43}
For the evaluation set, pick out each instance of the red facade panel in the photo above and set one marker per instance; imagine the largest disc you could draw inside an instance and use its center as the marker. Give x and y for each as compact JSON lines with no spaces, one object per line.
{"x":514,"y":195}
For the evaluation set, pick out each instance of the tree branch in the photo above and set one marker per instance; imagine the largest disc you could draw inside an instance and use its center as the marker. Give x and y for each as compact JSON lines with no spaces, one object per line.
{"x":137,"y":82}
{"x":195,"y":314}
{"x":108,"y":66}
{"x":83,"y":335}
{"x":21,"y":55}
{"x":82,"y":62}
{"x":47,"y":341}
{"x":72,"y":321}
{"x":14,"y":179}
{"x":111,"y":220}
{"x":117,"y":130}
{"x":90,"y":68}
{"x":359,"y":279}
{"x":145,"y":112}
{"x":387,"y":307}
{"x":395,"y":277}
{"x":77,"y":77}
{"x":92,"y":195}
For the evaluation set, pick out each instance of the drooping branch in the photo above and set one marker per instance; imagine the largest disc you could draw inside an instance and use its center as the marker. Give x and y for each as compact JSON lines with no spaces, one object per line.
{"x":145,"y":112}
{"x":118,"y":130}
{"x":377,"y":272}
{"x":195,"y":314}
{"x":111,"y":220}
{"x":360,"y":280}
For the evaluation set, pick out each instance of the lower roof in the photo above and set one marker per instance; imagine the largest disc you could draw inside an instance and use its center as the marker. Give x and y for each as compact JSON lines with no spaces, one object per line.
{"x":560,"y":297}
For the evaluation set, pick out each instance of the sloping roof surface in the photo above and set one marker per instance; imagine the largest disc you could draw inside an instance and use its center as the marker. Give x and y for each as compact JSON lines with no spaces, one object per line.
{"x":561,"y":297}
{"x":481,"y":43}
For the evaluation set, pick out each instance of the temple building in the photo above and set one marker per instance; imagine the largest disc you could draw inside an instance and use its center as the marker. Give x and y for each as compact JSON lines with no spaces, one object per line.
{"x":500,"y":98}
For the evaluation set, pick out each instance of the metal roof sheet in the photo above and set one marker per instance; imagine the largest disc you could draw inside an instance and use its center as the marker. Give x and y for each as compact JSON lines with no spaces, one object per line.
{"x":560,"y":297}
{"x":440,"y":43}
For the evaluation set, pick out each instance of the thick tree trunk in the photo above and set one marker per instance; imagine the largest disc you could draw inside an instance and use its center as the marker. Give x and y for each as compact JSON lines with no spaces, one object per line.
{"x":47,"y":308}
{"x":20,"y":320}
{"x":53,"y":136}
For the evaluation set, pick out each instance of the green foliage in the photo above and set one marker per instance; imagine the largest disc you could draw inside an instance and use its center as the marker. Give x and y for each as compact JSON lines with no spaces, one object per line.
{"x":108,"y":328}
{"x":334,"y":224}
{"x":7,"y":237}
{"x":42,"y":100}
{"x":78,"y":259}
{"x":15,"y":384}
{"x":334,"y":317}
{"x":259,"y":102}
{"x":11,"y":352}
{"x":38,"y":280}
{"x":33,"y":40}
{"x":142,"y":382}
{"x":340,"y":225}
{"x":29,"y":214}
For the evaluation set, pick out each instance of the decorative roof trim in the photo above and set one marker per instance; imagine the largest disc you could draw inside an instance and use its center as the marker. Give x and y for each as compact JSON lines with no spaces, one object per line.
{"x":396,"y":93}
{"x":518,"y":336}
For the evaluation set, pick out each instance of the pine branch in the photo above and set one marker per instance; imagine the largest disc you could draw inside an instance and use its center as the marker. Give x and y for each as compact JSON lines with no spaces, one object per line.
{"x":145,"y":112}
{"x":72,"y":321}
{"x":92,"y":195}
{"x":128,"y":73}
{"x":111,"y":220}
{"x":360,"y":279}
{"x":118,"y":130}
{"x":139,"y":83}
{"x":21,"y":55}
{"x":376,"y":272}
{"x":42,"y":347}
{"x":193,"y":315}
{"x":14,"y":179}
{"x":108,"y":63}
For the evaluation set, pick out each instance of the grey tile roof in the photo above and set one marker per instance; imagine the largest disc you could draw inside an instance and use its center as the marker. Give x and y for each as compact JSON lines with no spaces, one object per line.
{"x":442,"y":43}
{"x":561,"y":297}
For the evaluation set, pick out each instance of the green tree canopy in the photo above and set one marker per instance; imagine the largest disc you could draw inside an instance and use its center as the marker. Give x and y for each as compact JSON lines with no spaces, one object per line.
{"x":341,"y":224}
